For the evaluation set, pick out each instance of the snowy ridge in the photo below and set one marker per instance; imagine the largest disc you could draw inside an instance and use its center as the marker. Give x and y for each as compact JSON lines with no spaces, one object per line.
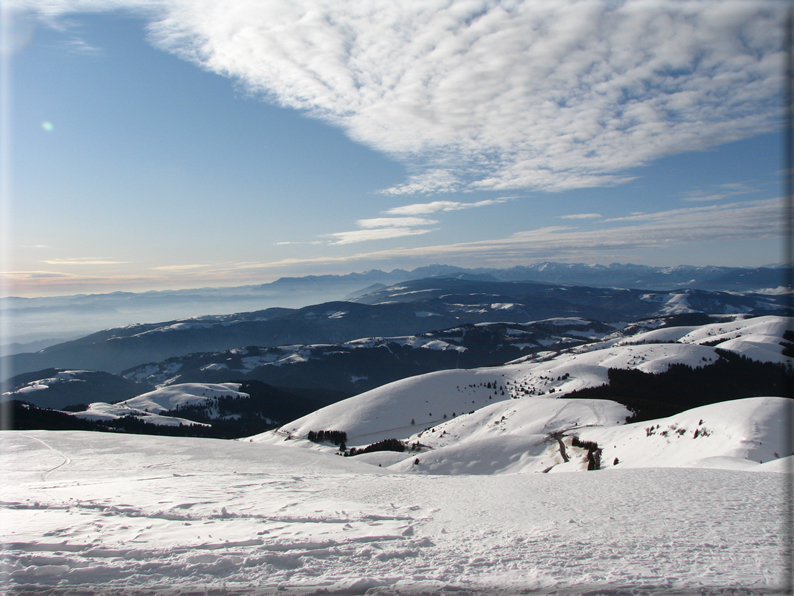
{"x":103,"y":411}
{"x":149,"y":406}
{"x":184,"y":394}
{"x":739,"y":434}
{"x":66,"y":376}
{"x":504,"y":419}
{"x":756,"y":338}
{"x":387,"y":412}
{"x":518,"y":337}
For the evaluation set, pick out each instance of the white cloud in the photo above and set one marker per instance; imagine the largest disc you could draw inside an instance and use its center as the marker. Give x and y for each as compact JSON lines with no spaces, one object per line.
{"x":85,"y":261}
{"x":582,"y":216}
{"x":80,"y":46}
{"x":751,"y":220}
{"x":717,"y":193}
{"x":495,"y":94}
{"x":438,"y":206}
{"x":374,"y":234}
{"x":395,"y":222}
{"x":382,"y":228}
{"x":180,"y":267}
{"x":687,"y":215}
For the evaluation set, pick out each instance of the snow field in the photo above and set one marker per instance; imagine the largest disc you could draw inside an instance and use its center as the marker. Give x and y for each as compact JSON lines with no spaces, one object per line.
{"x":96,"y":512}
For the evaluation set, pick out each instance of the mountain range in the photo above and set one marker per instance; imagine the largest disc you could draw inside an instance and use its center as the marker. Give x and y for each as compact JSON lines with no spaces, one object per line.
{"x":408,"y":308}
{"x":46,"y":321}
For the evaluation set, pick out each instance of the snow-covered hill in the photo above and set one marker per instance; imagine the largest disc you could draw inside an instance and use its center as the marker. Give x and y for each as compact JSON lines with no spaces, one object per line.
{"x":738,"y":434}
{"x":57,"y":388}
{"x":400,"y":409}
{"x":758,"y":338}
{"x":149,"y":406}
{"x":409,"y":308}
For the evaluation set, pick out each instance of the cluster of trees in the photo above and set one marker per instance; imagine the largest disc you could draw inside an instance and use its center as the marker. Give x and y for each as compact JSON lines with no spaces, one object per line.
{"x":337,"y":437}
{"x":788,"y":345}
{"x":682,"y":387}
{"x":385,"y":445}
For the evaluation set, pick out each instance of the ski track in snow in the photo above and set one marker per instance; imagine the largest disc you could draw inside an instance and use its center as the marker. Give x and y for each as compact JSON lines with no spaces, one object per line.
{"x":179,"y":516}
{"x":66,"y":460}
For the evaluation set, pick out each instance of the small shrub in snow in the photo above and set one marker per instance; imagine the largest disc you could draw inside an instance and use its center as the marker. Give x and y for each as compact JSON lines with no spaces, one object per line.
{"x":593,"y":452}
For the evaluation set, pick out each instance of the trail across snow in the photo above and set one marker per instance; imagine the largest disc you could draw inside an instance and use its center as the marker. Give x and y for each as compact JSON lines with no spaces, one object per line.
{"x":178,"y":515}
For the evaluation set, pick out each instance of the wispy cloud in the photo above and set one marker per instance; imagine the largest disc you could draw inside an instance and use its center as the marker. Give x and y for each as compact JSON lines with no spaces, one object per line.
{"x":374,"y":234}
{"x":180,"y":267}
{"x":687,"y":214}
{"x":749,"y":220}
{"x":582,"y":216}
{"x":85,"y":261}
{"x":382,"y":228}
{"x":395,"y":222}
{"x":439,"y":206}
{"x":717,"y":193}
{"x":77,"y":45}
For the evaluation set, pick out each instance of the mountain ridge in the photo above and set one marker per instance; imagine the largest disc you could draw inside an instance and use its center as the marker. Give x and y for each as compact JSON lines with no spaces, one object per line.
{"x":411,"y":307}
{"x":81,"y":314}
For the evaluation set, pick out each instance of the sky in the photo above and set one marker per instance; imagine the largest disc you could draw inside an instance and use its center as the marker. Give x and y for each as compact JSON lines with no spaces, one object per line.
{"x":193,"y":143}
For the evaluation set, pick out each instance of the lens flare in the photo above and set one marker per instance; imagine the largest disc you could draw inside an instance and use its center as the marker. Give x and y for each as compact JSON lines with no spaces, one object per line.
{"x":47,"y":126}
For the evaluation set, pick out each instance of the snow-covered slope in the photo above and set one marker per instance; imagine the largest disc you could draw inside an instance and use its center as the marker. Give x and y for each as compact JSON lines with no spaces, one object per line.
{"x":103,"y":411}
{"x":100,"y":513}
{"x":737,"y":434}
{"x":400,"y":409}
{"x":756,"y":338}
{"x":149,"y":406}
{"x":510,"y":419}
{"x":397,"y":409}
{"x":184,"y":394}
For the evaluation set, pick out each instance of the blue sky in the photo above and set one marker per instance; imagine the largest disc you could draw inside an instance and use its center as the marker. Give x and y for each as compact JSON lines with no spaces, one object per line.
{"x":181,"y":144}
